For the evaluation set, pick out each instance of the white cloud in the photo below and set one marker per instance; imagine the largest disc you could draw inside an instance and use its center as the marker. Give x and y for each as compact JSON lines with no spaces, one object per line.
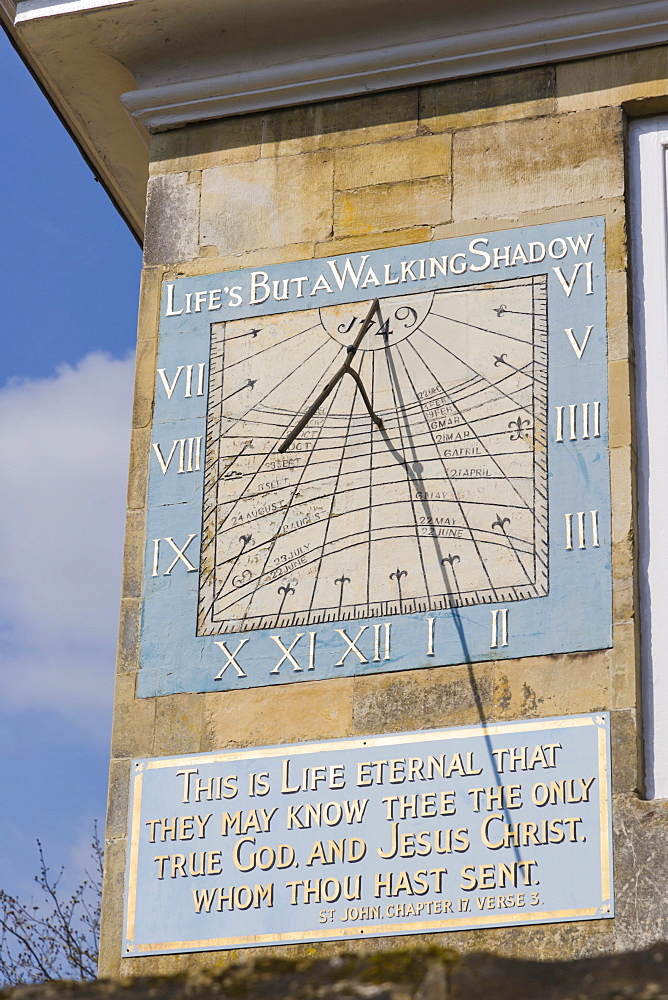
{"x":64,"y":445}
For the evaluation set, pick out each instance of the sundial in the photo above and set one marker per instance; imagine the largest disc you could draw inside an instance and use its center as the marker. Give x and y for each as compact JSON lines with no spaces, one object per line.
{"x":443,"y":505}
{"x":378,"y":462}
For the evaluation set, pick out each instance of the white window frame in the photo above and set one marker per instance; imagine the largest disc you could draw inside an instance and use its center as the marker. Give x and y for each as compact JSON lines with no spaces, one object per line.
{"x":648,"y":149}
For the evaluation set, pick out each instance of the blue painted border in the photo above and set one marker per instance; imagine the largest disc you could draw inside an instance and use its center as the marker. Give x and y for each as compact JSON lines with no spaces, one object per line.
{"x":577,"y":612}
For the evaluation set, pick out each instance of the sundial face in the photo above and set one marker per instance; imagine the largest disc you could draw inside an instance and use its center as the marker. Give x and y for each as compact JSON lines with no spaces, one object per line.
{"x":444,"y":506}
{"x":382,"y":461}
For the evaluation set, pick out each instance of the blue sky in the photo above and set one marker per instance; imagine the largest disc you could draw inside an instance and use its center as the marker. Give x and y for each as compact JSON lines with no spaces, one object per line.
{"x":68,"y":290}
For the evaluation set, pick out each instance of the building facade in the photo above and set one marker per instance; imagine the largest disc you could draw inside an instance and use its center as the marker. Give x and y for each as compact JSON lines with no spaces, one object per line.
{"x":506,"y":176}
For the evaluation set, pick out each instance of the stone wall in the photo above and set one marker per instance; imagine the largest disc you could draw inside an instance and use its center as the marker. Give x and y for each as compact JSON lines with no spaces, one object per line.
{"x":459,"y":158}
{"x":428,"y":974}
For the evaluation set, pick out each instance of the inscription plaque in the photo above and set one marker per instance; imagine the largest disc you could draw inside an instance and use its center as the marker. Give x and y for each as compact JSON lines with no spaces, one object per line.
{"x":483,"y":826}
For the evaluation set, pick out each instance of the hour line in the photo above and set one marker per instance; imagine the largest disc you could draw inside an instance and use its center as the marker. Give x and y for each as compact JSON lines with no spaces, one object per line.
{"x":251,"y":357}
{"x":394,"y":382}
{"x":450,"y":484}
{"x":219,"y":525}
{"x":494,"y":385}
{"x":483,"y":329}
{"x":258,"y":402}
{"x":490,"y":455}
{"x":371,"y":469}
{"x":328,"y":519}
{"x":288,"y":506}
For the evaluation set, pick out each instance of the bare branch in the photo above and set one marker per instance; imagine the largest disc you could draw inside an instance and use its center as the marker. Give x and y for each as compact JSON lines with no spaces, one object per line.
{"x":57,"y":938}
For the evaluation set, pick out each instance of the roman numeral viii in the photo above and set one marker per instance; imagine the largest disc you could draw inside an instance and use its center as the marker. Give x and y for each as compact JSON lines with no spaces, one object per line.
{"x":189,"y":452}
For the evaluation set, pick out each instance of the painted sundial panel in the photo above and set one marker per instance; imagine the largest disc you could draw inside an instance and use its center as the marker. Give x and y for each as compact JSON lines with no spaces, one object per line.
{"x":443,"y":506}
{"x":339,"y":488}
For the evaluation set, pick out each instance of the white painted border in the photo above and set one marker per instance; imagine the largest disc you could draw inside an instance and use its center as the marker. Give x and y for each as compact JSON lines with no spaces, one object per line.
{"x":648,"y":141}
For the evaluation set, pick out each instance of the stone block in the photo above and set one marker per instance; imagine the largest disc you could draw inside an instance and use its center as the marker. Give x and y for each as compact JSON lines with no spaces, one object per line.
{"x":118,"y":799}
{"x":134,"y":721}
{"x":172,"y":965}
{"x":616,"y":237}
{"x":620,"y":345}
{"x":171,"y":219}
{"x":624,"y":544}
{"x":620,"y":387}
{"x":333,"y":124}
{"x":133,"y":559}
{"x":623,"y":589}
{"x":612,"y":79}
{"x":179,"y":724}
{"x":210,"y":144}
{"x":286,"y":714}
{"x":150,"y":291}
{"x":641,"y":871}
{"x":621,"y":481}
{"x":563,"y":684}
{"x":388,"y":162}
{"x":622,"y":566}
{"x":623,"y":515}
{"x":113,"y":897}
{"x":269,"y":203}
{"x":602,"y":977}
{"x":626,"y":761}
{"x":372,"y":241}
{"x":485,"y":99}
{"x":548,"y":943}
{"x":140,"y":443}
{"x":537,"y":163}
{"x":127,"y":656}
{"x":423,"y":699}
{"x":392,"y":206}
{"x":145,"y":365}
{"x":624,"y":667}
{"x":252,"y":258}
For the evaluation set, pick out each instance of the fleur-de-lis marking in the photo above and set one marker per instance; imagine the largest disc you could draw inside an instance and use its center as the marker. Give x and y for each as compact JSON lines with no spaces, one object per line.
{"x":286,"y":590}
{"x":517,"y":428}
{"x":342,"y":581}
{"x":249,"y":384}
{"x":501,"y":523}
{"x":398,"y":576}
{"x":450,"y":558}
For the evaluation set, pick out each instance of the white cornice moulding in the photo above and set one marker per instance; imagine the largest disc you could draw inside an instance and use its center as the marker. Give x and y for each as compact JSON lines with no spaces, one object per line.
{"x":30,"y":10}
{"x":352,"y":73}
{"x":8,"y":8}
